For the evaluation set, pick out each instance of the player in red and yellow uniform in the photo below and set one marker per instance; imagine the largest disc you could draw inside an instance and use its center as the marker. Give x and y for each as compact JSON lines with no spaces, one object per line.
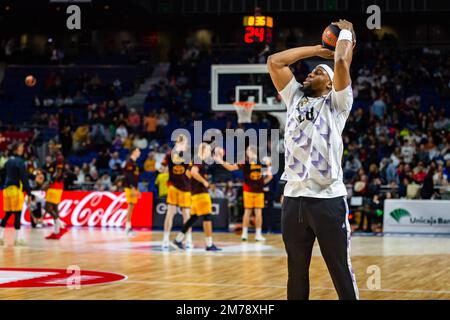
{"x":55,"y":190}
{"x":254,"y":180}
{"x":179,"y":191}
{"x":201,"y":201}
{"x":132,"y":194}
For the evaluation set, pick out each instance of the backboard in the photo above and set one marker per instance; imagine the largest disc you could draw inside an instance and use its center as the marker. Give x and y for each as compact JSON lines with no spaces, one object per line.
{"x":243,"y":82}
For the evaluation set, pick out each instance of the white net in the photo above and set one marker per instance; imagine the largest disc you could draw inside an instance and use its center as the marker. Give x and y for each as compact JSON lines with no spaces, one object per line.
{"x":244,"y":111}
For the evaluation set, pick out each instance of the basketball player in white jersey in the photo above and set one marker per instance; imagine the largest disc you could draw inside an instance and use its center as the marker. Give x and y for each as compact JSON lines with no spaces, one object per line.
{"x":314,"y":204}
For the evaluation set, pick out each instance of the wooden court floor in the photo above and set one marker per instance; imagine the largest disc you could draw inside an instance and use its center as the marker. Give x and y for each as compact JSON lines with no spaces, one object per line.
{"x":406,"y":267}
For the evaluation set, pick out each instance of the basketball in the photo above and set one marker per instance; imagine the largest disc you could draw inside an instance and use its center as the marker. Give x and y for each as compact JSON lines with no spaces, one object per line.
{"x":330,"y":36}
{"x":30,"y":81}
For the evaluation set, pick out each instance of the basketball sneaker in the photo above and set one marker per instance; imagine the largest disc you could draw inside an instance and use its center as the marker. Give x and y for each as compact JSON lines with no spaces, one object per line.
{"x":62,"y":232}
{"x":165,"y":245}
{"x":52,"y":236}
{"x":260,"y":238}
{"x":58,"y":236}
{"x":178,"y":244}
{"x":189,"y":245}
{"x":244,"y":238}
{"x":213,"y":248}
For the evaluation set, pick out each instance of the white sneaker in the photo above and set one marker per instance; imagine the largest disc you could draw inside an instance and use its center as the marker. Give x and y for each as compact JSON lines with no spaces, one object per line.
{"x":189,"y":246}
{"x":244,"y":238}
{"x":260,"y":238}
{"x":130,"y":232}
{"x":165,"y":245}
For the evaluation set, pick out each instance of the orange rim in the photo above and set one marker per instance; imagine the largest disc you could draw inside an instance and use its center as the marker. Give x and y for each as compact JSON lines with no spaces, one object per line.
{"x":244,"y":104}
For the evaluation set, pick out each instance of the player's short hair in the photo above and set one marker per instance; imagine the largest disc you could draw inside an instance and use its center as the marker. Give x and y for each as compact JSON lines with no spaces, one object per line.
{"x":181,"y":138}
{"x":15,"y":146}
{"x":133,"y":149}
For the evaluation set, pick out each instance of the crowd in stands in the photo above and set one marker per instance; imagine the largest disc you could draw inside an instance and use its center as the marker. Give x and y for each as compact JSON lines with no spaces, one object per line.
{"x":402,"y":139}
{"x":52,"y":52}
{"x":63,"y":90}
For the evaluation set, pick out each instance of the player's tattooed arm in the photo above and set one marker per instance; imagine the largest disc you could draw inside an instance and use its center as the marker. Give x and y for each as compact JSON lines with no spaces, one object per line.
{"x":278,"y":63}
{"x":343,"y":57}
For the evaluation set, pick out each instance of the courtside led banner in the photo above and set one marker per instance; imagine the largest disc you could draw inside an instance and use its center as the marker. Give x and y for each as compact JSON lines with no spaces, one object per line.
{"x":94,"y":209}
{"x":220,"y":213}
{"x":417,"y":216}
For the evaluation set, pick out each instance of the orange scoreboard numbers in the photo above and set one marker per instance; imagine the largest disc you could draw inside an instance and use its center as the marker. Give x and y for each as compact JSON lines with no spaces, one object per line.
{"x":258,"y":29}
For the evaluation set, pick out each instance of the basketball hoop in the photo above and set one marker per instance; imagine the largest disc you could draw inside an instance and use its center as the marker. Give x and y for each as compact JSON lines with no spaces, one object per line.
{"x":244,"y":111}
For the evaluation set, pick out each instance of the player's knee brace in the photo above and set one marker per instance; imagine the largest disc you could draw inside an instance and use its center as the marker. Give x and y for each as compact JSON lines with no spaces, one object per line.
{"x":189,"y":223}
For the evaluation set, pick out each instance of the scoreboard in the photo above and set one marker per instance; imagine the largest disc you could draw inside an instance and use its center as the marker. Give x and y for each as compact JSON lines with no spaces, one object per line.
{"x":258,"y":29}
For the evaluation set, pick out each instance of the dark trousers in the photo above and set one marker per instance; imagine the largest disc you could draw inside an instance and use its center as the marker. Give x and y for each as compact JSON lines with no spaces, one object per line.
{"x":16,"y":215}
{"x":305,"y":219}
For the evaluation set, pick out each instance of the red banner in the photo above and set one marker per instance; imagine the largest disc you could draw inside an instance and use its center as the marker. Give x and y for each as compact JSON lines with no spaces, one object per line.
{"x":95,"y":209}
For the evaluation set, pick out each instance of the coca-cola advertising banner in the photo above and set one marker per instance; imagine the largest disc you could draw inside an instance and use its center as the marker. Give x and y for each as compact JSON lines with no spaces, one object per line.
{"x":94,"y":209}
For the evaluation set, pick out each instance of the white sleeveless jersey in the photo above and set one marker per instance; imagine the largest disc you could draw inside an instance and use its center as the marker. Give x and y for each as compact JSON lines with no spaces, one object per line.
{"x":313,"y":142}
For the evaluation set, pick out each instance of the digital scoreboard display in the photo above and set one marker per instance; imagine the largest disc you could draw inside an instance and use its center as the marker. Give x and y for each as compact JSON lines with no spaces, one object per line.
{"x":258,"y":29}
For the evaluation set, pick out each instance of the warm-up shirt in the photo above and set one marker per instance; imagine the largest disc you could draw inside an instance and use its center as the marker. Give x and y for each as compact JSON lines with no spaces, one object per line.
{"x":313,"y":142}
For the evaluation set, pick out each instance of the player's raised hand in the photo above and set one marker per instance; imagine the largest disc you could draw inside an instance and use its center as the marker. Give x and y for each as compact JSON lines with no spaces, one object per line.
{"x":324,"y":52}
{"x":347,"y":25}
{"x":343,"y":24}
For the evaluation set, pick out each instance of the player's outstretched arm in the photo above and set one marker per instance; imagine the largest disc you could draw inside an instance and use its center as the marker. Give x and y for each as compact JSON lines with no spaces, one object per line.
{"x":278,"y":63}
{"x":230,"y":166}
{"x":343,"y":55}
{"x":218,"y":157}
